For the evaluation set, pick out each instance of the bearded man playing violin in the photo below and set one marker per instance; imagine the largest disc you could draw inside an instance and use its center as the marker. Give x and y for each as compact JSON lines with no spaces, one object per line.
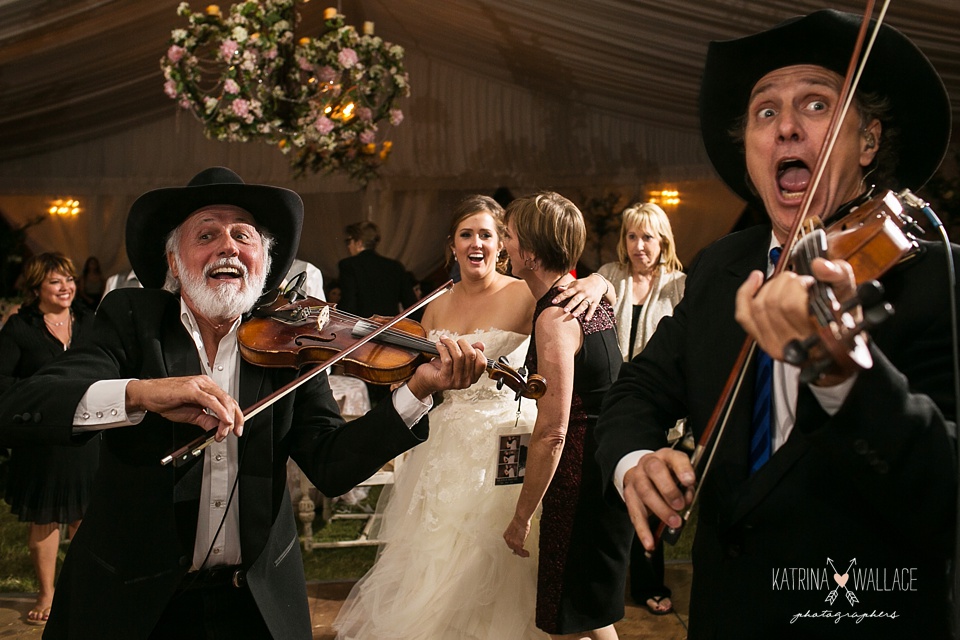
{"x":838,"y":520}
{"x":208,"y":549}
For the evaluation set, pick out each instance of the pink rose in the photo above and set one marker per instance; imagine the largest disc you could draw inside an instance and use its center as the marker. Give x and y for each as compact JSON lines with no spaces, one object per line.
{"x":175,"y":53}
{"x":396,"y":116}
{"x":271,"y":55}
{"x":365,"y":114}
{"x":324,"y":125}
{"x":170,"y":88}
{"x":347,"y":58}
{"x":326,"y":74}
{"x":240,"y":107}
{"x":228,"y":49}
{"x":304,"y":64}
{"x":230,"y":86}
{"x":367,"y":136}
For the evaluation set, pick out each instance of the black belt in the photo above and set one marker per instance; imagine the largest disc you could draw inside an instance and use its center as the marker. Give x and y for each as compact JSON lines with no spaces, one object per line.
{"x":222,"y":576}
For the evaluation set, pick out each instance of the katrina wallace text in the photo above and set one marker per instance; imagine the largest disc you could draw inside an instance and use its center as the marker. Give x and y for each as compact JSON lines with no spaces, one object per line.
{"x":860,"y":579}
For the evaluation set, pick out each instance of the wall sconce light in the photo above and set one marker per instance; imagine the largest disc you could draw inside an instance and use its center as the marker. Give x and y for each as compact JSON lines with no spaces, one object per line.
{"x":665,"y":197}
{"x":64,"y":207}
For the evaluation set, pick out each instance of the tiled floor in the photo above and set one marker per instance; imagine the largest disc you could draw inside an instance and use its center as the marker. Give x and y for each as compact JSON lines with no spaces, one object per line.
{"x":326,"y":598}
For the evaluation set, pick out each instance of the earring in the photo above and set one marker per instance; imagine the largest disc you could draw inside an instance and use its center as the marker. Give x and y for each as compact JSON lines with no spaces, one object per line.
{"x":871,"y":141}
{"x":530,"y":263}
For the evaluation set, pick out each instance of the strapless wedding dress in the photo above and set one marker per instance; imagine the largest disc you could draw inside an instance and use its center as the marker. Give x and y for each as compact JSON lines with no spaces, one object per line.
{"x":444,"y":571}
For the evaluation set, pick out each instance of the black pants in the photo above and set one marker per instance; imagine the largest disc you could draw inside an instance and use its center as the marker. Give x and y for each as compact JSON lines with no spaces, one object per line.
{"x":211,"y":612}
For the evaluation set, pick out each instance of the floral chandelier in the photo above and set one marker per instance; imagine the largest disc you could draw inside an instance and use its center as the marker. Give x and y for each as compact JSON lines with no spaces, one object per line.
{"x":321,"y":100}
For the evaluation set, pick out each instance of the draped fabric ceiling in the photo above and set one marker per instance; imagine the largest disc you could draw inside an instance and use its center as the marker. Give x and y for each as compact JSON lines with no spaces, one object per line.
{"x":594,"y":99}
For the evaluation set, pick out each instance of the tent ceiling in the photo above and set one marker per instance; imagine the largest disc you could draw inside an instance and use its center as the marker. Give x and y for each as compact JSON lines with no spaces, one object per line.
{"x":76,"y":70}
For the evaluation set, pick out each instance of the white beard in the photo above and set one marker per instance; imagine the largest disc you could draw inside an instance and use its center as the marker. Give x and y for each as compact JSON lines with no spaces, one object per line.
{"x":224,"y":301}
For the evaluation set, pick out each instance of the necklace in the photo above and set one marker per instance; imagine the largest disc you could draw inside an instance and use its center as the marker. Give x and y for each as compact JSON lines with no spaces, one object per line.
{"x":55,"y":324}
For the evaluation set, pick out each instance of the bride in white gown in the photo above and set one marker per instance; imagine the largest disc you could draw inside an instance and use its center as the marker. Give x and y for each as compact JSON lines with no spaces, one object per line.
{"x":443,"y":572}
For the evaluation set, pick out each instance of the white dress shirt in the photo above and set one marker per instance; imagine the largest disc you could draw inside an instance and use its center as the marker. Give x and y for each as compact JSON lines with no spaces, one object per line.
{"x":103,"y":406}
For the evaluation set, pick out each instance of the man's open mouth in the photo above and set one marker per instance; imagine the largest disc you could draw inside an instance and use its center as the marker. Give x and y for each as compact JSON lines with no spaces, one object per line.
{"x":793,"y":176}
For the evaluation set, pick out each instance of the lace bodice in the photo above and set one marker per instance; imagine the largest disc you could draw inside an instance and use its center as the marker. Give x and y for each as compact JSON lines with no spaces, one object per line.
{"x":496,"y":342}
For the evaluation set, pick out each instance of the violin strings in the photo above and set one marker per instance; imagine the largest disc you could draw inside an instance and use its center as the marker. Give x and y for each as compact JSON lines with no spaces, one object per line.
{"x":410,"y":339}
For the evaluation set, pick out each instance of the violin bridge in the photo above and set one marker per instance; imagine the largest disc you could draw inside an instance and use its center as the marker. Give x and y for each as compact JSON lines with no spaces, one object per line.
{"x":323,"y":318}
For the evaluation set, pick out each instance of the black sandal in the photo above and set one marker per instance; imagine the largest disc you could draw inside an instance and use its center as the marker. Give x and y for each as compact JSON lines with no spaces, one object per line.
{"x":653,"y":608}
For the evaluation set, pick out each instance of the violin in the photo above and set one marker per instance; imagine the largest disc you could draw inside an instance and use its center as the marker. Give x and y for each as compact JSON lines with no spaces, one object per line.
{"x":288,"y":333}
{"x":873,"y":234}
{"x":309,"y":320}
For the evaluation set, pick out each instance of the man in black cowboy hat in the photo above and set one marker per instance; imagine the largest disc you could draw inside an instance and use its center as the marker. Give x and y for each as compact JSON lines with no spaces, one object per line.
{"x":832,"y":516}
{"x":208,"y":549}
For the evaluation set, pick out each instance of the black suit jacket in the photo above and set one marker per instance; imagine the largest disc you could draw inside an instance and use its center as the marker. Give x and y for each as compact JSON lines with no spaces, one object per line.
{"x":875,"y":482}
{"x":137,"y":538}
{"x":372,"y":284}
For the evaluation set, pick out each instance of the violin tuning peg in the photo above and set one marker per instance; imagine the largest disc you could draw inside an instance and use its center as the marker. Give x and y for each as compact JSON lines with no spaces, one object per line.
{"x":503,"y":360}
{"x":814,"y":370}
{"x":499,"y":384}
{"x":522,"y":371}
{"x":877,"y":314}
{"x":869,"y":294}
{"x":797,"y":352}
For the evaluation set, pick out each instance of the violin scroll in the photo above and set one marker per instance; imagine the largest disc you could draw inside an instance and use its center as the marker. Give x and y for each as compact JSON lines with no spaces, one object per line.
{"x":532,"y":387}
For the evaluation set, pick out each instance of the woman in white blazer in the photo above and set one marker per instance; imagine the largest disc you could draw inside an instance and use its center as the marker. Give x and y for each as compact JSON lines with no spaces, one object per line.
{"x":647,"y":277}
{"x":649,"y":283}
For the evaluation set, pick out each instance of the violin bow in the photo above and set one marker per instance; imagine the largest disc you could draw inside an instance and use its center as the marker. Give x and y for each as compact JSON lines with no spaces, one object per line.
{"x":731,"y":389}
{"x":193,"y":449}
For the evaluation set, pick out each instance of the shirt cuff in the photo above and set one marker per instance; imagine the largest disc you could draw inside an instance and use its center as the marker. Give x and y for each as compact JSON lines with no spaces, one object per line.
{"x":104,"y":406}
{"x":626,"y":463}
{"x":832,"y":398}
{"x":410,"y":408}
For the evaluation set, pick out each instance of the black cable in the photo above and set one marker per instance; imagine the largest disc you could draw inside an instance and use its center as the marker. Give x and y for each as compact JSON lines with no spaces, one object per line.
{"x":242,"y":447}
{"x":952,"y":292}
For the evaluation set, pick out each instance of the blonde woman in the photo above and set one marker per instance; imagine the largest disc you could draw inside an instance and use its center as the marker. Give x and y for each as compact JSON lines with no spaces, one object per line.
{"x":649,"y":284}
{"x":647,"y":277}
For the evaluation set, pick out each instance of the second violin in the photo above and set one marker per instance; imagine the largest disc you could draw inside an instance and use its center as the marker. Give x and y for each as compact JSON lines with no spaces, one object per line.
{"x":306,"y":331}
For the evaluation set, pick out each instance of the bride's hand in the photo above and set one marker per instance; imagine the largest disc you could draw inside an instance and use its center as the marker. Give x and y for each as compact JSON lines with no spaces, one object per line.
{"x":516,"y":536}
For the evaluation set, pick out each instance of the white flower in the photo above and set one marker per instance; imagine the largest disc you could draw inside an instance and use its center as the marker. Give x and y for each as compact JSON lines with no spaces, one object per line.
{"x":178,"y":35}
{"x":239,"y":34}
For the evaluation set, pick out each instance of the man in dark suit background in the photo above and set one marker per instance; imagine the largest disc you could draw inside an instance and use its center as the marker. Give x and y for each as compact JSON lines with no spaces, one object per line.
{"x":208,"y":549}
{"x":855,"y":476}
{"x":371,"y":283}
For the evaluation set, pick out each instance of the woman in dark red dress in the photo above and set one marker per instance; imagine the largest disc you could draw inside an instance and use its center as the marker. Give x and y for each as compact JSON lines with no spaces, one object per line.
{"x":584,"y":542}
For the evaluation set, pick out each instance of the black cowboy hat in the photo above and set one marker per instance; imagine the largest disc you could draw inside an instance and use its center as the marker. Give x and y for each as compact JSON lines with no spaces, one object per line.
{"x":897,"y":69}
{"x":156,"y":213}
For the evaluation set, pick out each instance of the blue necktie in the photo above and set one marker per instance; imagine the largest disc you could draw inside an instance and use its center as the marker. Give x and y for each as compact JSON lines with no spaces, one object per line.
{"x":761,"y":439}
